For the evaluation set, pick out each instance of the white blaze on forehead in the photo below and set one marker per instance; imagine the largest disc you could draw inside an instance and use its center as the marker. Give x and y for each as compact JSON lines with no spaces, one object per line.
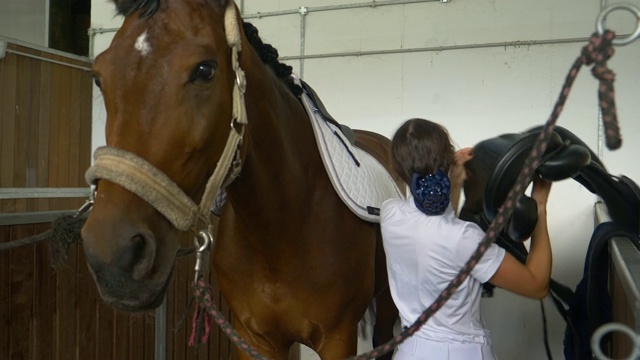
{"x":142,"y":44}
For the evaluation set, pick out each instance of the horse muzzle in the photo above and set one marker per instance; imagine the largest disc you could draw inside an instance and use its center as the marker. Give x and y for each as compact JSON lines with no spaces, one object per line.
{"x":130,"y":263}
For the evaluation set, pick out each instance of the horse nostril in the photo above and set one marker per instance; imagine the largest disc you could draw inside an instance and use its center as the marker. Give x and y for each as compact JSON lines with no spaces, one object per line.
{"x":137,"y":245}
{"x":127,"y":252}
{"x":142,"y":254}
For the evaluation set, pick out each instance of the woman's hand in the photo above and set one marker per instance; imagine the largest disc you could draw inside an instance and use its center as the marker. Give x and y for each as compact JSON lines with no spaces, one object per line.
{"x":540,"y":191}
{"x":458,"y":173}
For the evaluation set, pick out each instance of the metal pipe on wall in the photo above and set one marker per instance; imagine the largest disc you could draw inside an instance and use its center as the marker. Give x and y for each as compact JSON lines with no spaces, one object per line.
{"x":303,"y":27}
{"x":601,"y":136}
{"x":303,"y":56}
{"x":371,"y":4}
{"x":439,"y":48}
{"x":304,"y":10}
{"x":92,"y":34}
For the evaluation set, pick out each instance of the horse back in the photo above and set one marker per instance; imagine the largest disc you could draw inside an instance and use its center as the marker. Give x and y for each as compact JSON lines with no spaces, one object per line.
{"x":378,"y":146}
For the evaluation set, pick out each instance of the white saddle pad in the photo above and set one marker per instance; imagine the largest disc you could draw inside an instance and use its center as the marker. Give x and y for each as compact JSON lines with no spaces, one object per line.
{"x":358,"y":178}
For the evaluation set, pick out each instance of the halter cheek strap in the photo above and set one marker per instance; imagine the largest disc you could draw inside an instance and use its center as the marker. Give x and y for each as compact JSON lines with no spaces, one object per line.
{"x":143,"y":179}
{"x":239,"y":115}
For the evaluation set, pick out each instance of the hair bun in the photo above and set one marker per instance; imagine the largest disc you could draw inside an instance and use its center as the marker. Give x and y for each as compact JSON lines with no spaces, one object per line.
{"x":431,"y":193}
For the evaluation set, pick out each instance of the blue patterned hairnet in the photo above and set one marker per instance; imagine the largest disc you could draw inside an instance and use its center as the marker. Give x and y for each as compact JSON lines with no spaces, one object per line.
{"x":431,"y":193}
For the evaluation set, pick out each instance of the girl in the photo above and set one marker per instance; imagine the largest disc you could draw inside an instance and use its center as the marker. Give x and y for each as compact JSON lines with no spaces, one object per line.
{"x":426,"y":246}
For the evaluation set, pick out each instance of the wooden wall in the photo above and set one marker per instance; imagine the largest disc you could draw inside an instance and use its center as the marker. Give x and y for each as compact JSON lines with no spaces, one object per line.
{"x":47,"y":314}
{"x":45,"y":135}
{"x":624,"y":306}
{"x":621,"y":345}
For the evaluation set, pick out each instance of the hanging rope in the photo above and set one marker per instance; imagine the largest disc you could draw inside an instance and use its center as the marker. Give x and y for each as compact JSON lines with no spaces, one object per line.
{"x":26,"y":241}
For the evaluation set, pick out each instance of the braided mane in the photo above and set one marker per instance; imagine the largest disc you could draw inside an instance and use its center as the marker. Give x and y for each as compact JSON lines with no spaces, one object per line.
{"x":268,"y":54}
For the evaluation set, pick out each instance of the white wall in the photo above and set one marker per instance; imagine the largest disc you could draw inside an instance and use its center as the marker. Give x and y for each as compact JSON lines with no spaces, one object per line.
{"x":476,"y":92}
{"x":25,"y":20}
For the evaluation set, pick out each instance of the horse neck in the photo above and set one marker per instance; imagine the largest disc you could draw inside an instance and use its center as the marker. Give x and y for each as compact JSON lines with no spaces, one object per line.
{"x":282,"y":162}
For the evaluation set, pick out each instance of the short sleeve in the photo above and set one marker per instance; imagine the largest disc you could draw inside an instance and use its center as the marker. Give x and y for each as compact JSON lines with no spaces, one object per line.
{"x":490,"y":261}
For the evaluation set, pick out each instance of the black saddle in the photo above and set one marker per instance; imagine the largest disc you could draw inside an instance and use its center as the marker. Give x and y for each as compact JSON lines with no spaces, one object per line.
{"x":497,"y":163}
{"x":493,"y":170}
{"x":495,"y":166}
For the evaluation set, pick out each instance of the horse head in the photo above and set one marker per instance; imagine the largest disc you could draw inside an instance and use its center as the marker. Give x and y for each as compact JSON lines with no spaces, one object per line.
{"x":167,"y":81}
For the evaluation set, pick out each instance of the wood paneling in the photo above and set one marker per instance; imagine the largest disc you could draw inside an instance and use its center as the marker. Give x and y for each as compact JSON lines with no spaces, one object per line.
{"x":46,"y":313}
{"x":621,"y":344}
{"x":5,"y":296}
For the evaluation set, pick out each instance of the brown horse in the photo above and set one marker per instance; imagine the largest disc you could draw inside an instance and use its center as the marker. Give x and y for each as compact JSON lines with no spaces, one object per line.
{"x":293,"y":262}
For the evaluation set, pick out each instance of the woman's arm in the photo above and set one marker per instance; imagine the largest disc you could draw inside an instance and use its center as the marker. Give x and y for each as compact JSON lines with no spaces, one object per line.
{"x":532,"y":278}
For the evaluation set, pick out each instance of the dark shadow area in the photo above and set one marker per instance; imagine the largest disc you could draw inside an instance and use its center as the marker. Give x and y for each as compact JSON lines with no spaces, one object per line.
{"x":69,"y":22}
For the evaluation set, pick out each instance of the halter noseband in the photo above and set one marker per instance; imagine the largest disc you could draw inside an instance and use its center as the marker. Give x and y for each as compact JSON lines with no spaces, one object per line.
{"x":152,"y":185}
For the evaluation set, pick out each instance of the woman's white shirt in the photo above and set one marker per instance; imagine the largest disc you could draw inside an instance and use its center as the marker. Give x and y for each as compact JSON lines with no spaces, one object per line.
{"x":424,"y":253}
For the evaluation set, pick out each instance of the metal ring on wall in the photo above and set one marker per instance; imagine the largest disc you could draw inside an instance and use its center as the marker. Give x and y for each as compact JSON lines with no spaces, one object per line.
{"x":603,"y":330}
{"x":630,"y":8}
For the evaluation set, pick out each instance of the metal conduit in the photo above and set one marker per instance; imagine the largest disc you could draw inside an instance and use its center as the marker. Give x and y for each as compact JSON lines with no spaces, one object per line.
{"x":303,"y":36}
{"x":371,"y":4}
{"x":438,"y":48}
{"x":601,"y":132}
{"x":258,"y":15}
{"x":302,"y":11}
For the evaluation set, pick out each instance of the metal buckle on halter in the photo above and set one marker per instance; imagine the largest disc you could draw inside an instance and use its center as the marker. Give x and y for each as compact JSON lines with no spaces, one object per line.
{"x":239,"y":129}
{"x":203,"y":243}
{"x":241,"y":80}
{"x":88,"y":204}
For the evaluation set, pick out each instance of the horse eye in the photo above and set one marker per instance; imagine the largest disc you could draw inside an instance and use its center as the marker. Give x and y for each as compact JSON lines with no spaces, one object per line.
{"x":97,"y":82}
{"x":203,"y":72}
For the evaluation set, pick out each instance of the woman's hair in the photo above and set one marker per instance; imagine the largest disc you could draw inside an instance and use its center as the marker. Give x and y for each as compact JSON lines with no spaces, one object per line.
{"x":422,"y":147}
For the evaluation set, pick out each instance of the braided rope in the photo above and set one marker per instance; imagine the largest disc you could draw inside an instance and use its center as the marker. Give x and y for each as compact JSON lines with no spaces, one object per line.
{"x":597,"y":51}
{"x":207,"y":312}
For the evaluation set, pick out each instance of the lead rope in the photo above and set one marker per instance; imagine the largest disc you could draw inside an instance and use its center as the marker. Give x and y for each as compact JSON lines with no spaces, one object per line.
{"x":597,"y":52}
{"x":206,"y":311}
